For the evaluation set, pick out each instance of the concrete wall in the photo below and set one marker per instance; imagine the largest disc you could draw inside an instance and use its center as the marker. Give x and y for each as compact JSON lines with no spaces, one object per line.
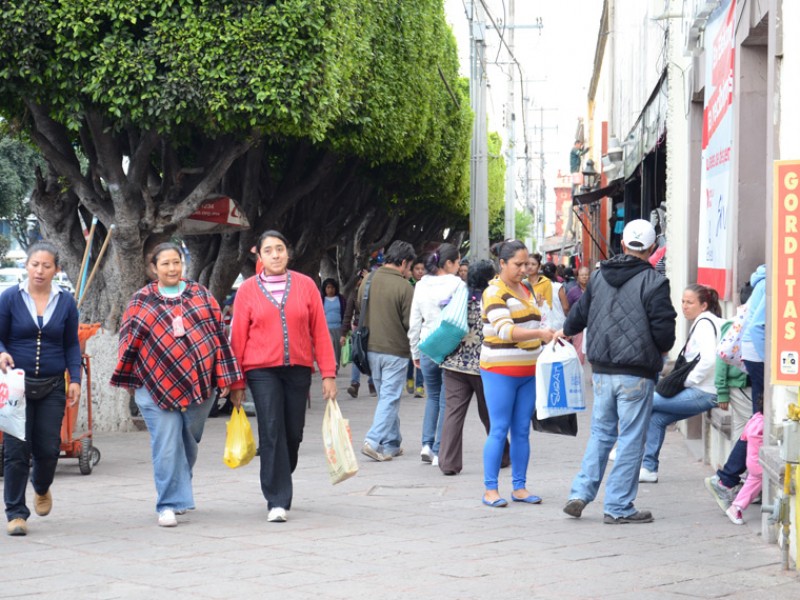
{"x":110,"y":406}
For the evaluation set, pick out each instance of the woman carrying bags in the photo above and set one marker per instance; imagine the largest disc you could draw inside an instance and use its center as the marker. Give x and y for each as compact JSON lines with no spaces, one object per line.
{"x":512,"y":340}
{"x":173,"y":353}
{"x":278,"y":332}
{"x":700,"y":304}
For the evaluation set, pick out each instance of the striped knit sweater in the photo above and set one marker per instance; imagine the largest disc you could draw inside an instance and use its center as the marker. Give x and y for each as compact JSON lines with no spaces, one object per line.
{"x":501,"y":310}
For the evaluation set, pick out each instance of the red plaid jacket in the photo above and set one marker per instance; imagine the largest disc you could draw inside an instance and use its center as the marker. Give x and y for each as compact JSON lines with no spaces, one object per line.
{"x":176,"y":371}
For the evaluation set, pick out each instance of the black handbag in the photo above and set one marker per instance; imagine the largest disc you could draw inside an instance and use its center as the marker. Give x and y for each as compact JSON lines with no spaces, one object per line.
{"x":673,"y":384}
{"x":37,"y":388}
{"x":560,"y":425}
{"x":359,"y":342}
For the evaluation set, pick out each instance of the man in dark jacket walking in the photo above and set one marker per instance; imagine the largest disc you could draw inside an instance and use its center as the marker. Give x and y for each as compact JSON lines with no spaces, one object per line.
{"x":630,"y":323}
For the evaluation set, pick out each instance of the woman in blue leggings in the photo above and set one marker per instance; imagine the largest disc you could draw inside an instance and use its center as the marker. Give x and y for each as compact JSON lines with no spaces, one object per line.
{"x":512,"y":341}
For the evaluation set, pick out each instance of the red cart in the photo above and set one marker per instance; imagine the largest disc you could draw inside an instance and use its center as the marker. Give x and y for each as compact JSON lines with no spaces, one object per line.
{"x":80,"y":447}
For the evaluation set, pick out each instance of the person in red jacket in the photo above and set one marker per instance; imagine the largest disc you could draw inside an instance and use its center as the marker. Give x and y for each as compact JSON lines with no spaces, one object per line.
{"x":278,"y":331}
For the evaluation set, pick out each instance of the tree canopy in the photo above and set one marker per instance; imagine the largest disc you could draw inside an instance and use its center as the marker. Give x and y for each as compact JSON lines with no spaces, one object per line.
{"x":342,"y":122}
{"x":18,"y":163}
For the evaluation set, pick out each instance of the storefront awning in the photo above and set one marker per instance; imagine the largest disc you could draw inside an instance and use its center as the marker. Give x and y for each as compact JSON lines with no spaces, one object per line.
{"x":612,"y":189}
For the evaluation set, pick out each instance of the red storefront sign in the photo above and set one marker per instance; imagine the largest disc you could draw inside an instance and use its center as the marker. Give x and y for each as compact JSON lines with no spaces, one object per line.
{"x":218,"y":214}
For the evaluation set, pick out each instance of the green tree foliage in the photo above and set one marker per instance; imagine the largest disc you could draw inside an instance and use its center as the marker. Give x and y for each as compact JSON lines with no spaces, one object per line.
{"x":497,"y":187}
{"x":331,"y":119}
{"x":523,"y":224}
{"x":18,"y":163}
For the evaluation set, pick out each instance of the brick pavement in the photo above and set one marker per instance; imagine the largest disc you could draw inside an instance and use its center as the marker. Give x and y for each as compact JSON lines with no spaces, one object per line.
{"x":399,"y":529}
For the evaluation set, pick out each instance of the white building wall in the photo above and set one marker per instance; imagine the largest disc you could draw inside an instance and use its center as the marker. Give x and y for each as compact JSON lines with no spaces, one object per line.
{"x":639,"y":57}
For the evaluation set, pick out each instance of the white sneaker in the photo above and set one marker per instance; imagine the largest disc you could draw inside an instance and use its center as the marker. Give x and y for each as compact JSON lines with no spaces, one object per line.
{"x":277,"y":515}
{"x":646,"y":476}
{"x":435,"y":461}
{"x":613,"y":454}
{"x":735,"y":514}
{"x":166,"y":518}
{"x":426,"y":454}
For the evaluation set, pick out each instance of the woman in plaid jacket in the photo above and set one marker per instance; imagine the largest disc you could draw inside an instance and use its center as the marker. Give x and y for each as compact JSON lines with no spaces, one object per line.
{"x":173,"y":353}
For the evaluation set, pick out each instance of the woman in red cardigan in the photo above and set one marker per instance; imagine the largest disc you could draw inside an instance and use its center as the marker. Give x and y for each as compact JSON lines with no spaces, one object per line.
{"x":278,"y":331}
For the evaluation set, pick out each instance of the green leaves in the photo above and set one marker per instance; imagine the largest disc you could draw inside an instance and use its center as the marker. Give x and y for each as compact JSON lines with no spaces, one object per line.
{"x":360,"y":76}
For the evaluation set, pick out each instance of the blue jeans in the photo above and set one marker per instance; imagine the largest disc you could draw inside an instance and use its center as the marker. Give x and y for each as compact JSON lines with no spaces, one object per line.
{"x":433,"y":420}
{"x":388,"y":373}
{"x":621,"y":411}
{"x":42,"y":444}
{"x":418,"y":381}
{"x":174,"y":436}
{"x":280,"y":395}
{"x":510,"y":402}
{"x":756,"y":372}
{"x":688,"y":403}
{"x":355,"y":376}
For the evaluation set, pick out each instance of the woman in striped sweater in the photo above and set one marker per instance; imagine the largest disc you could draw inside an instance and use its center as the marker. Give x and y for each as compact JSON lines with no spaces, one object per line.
{"x":512,"y":339}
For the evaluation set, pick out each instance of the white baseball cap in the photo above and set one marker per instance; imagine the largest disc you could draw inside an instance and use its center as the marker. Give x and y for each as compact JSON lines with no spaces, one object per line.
{"x":639,"y":235}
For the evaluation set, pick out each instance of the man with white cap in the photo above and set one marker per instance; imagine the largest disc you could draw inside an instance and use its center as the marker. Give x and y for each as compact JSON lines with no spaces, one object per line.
{"x":630,"y":324}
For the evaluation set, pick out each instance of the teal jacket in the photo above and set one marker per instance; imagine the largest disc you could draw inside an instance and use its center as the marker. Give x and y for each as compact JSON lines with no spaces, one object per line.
{"x":727,"y":376}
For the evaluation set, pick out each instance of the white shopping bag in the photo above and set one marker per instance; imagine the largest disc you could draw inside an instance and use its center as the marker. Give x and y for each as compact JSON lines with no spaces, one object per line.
{"x":559,"y":381}
{"x":12,"y":402}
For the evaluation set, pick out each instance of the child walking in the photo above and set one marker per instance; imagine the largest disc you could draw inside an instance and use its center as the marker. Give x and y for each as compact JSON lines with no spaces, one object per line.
{"x":753,"y":434}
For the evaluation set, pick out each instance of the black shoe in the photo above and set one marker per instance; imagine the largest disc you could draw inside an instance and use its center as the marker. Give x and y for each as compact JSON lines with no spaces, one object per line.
{"x":353,"y":390}
{"x":574,"y":507}
{"x":372,"y":391}
{"x":640,"y":516}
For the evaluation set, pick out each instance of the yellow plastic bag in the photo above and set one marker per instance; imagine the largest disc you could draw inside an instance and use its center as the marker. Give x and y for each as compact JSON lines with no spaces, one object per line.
{"x":342,"y":463}
{"x":240,"y":447}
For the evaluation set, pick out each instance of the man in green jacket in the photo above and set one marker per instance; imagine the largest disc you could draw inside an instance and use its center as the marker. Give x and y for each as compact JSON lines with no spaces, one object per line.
{"x":387,"y":316}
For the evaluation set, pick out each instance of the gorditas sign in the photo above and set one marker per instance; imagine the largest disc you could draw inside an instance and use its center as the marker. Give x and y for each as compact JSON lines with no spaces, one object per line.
{"x":217,"y":214}
{"x":714,"y":254}
{"x":785,"y":268}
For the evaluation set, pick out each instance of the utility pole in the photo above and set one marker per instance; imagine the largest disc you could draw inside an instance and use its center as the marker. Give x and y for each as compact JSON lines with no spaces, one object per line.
{"x":511,"y":125}
{"x":539,"y":209}
{"x":479,"y":166}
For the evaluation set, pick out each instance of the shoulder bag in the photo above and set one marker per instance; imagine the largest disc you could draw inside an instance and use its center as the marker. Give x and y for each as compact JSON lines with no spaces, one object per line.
{"x":674,"y":383}
{"x":359,"y":341}
{"x":452,"y":327}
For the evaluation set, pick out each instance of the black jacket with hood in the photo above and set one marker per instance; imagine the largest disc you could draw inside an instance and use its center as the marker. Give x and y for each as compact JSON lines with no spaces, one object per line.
{"x":629,"y":318}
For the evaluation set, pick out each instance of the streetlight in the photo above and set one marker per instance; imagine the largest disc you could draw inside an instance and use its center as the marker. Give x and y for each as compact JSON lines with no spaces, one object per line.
{"x":591,"y":178}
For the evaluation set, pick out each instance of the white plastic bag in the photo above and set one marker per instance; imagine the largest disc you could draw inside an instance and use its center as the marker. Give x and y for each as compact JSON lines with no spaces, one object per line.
{"x":12,"y":402}
{"x":336,"y":437}
{"x":559,"y":381}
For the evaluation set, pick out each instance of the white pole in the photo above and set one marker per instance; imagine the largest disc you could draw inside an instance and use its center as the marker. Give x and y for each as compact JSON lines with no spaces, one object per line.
{"x":479,"y":186}
{"x":511,"y":124}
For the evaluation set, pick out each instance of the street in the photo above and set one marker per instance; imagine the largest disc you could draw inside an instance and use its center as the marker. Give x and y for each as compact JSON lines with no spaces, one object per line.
{"x":399,"y":529}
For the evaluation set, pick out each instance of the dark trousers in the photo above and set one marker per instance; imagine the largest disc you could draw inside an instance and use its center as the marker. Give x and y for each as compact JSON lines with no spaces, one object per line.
{"x":731,"y":473}
{"x":459,"y":388}
{"x":43,"y":419}
{"x":280,"y":395}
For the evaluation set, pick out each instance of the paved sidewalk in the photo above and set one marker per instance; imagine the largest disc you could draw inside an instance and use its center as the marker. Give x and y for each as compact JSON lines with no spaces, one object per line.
{"x":399,"y":529}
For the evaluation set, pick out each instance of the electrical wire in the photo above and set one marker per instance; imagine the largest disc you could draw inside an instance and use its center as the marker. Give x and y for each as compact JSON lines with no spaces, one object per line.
{"x":515,"y":61}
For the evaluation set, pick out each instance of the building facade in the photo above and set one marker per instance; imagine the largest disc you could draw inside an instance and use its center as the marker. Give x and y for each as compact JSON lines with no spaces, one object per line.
{"x":699,"y":94}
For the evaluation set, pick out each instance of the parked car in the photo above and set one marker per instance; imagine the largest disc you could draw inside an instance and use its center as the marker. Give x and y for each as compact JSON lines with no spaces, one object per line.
{"x":11,"y":276}
{"x":64,"y":283}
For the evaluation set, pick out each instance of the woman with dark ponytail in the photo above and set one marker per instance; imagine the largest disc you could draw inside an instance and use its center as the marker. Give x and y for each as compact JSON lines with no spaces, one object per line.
{"x":431,"y":295}
{"x":700,"y":305}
